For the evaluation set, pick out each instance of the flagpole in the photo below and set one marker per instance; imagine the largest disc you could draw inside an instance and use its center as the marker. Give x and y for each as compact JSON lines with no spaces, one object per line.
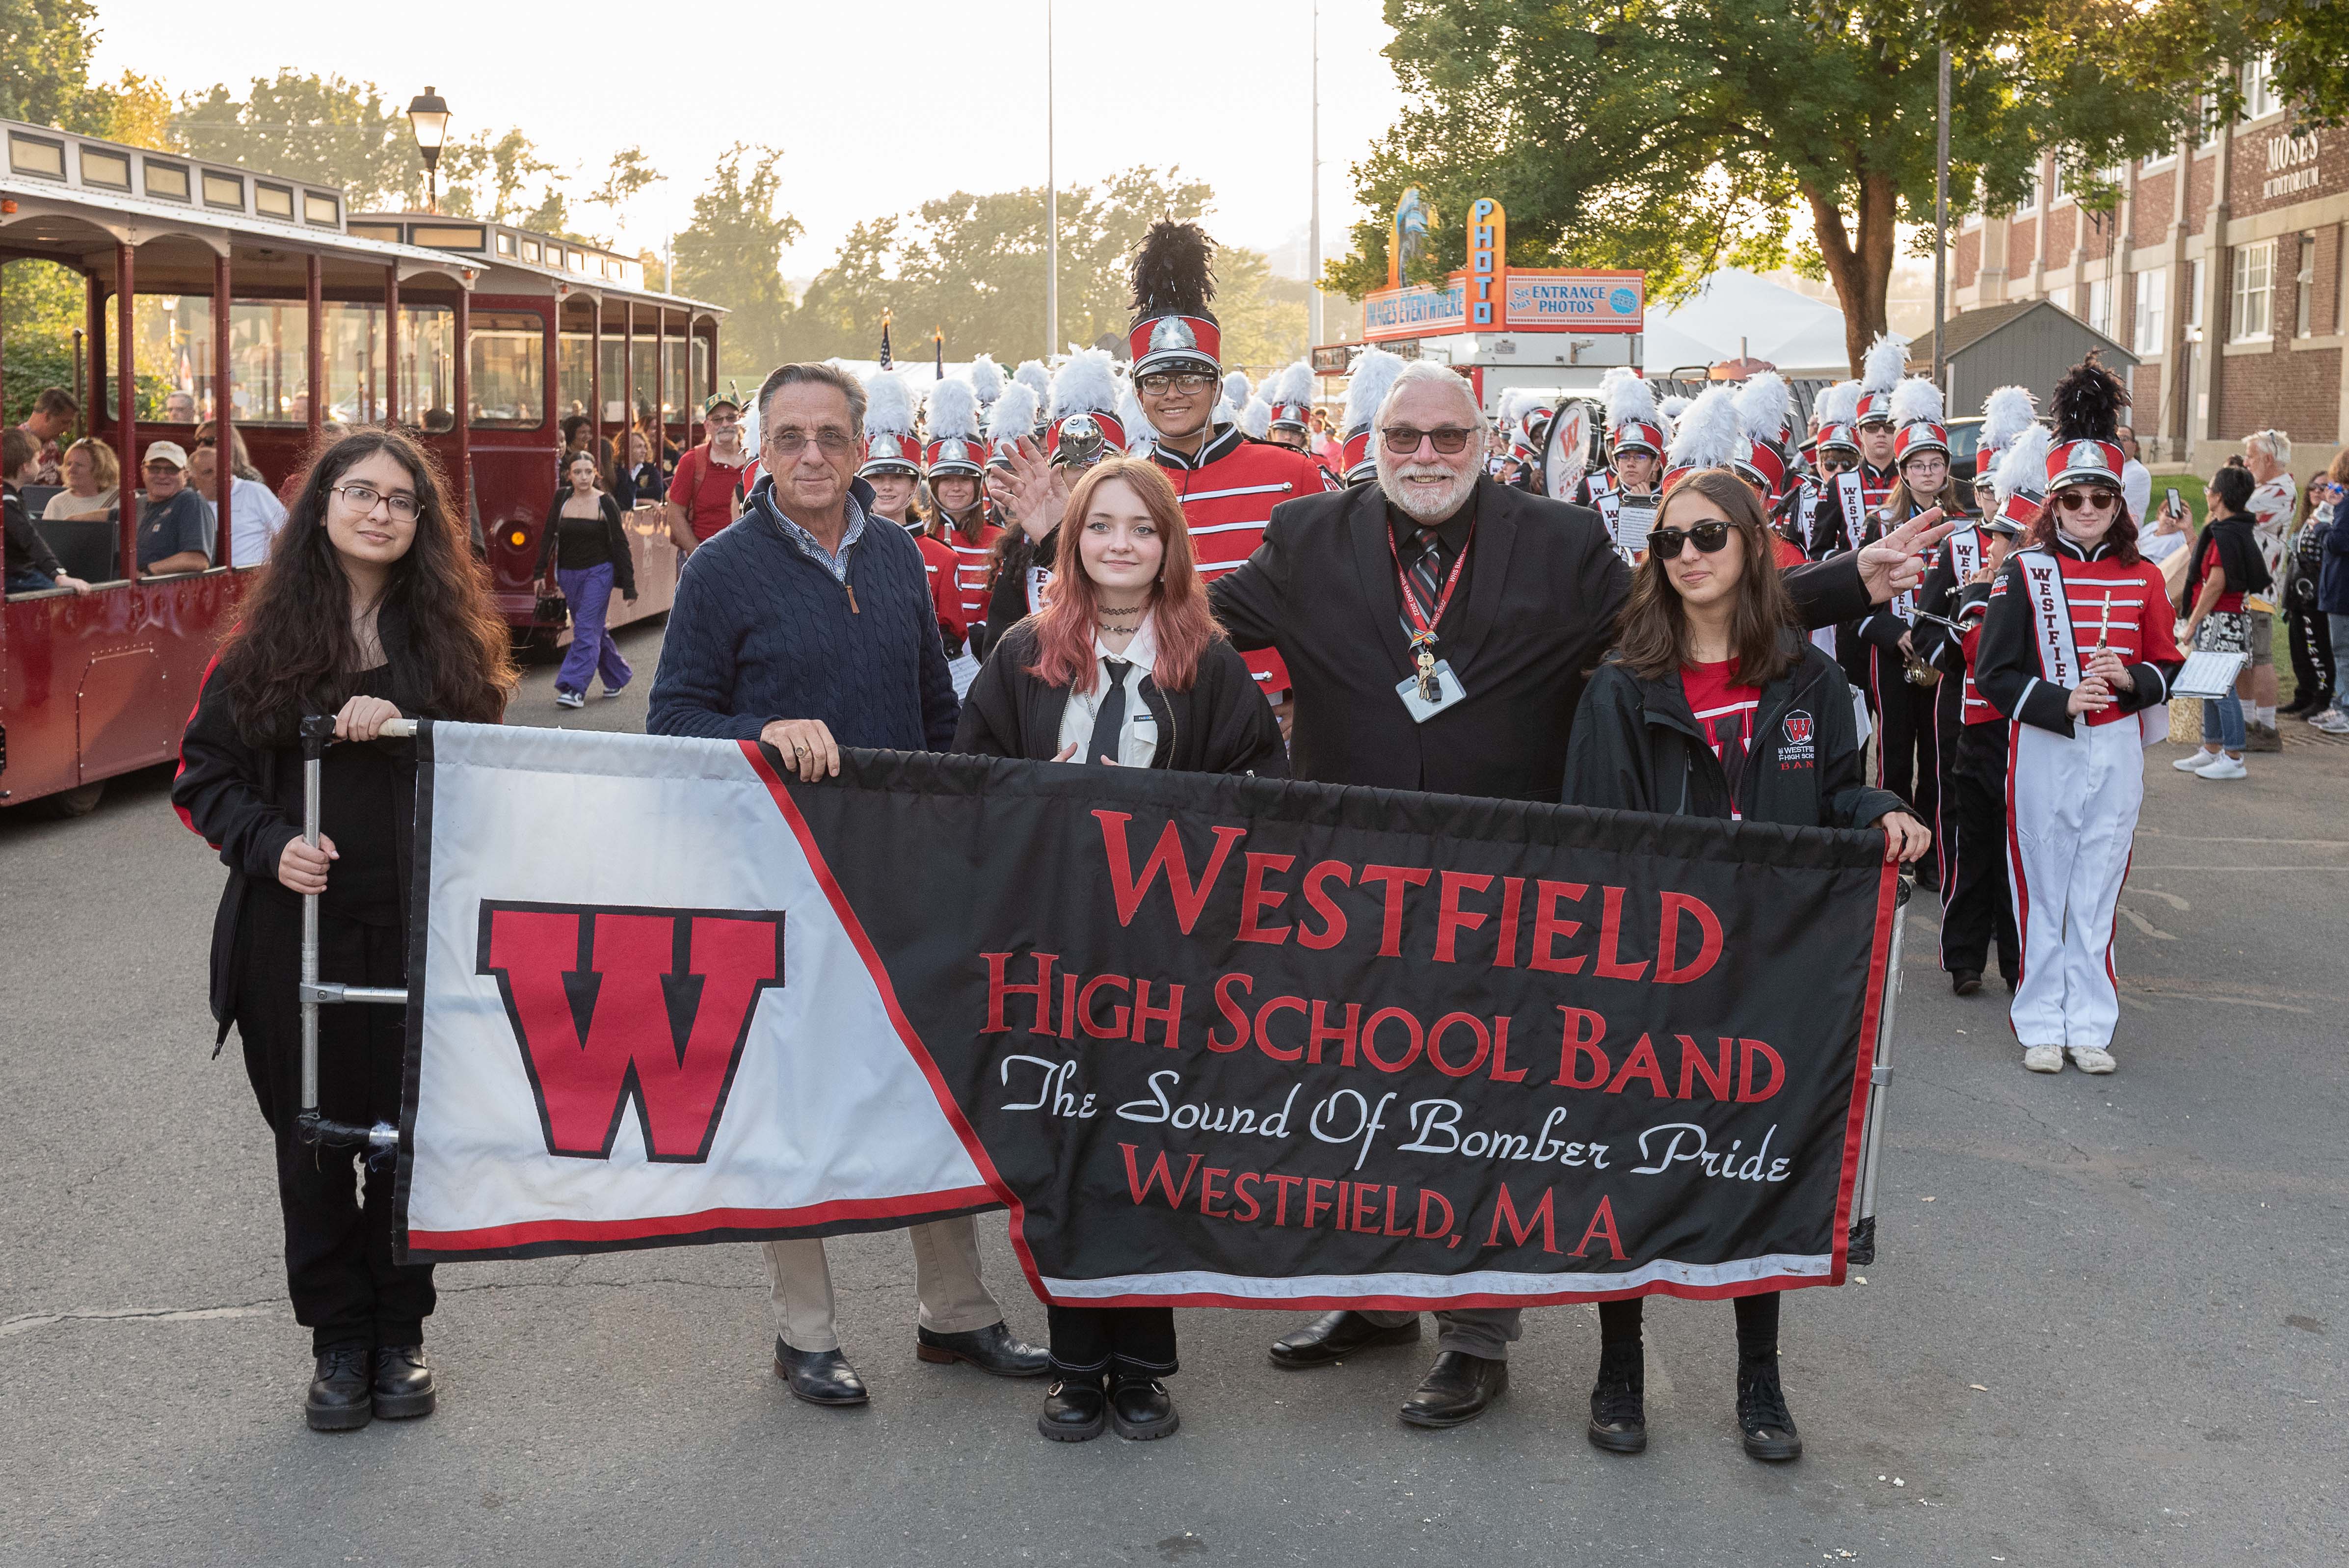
{"x":1051,"y":205}
{"x":1313,"y":242}
{"x":1942,"y":219}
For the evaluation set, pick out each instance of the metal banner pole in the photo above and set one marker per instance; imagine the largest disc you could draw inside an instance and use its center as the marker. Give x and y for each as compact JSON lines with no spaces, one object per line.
{"x":1862,"y":1249}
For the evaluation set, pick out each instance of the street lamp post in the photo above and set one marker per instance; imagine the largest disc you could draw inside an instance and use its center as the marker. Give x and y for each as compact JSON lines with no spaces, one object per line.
{"x":1313,"y":238}
{"x":1052,"y":206}
{"x":428,"y":115}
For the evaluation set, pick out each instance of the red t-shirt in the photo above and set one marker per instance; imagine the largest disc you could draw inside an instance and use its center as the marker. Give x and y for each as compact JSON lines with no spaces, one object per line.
{"x":2232,"y":599}
{"x":1724,"y":714}
{"x":705,"y":491}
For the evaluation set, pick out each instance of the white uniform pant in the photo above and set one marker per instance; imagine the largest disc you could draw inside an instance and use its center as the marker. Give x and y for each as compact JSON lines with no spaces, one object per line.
{"x":2071,"y":813}
{"x":946,"y":1276}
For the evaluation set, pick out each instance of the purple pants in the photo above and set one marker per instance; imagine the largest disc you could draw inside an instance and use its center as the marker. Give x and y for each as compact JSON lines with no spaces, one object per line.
{"x":592,"y":649}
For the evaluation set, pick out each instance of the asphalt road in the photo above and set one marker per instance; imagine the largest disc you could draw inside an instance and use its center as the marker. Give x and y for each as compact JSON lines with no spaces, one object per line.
{"x":2106,"y":1326}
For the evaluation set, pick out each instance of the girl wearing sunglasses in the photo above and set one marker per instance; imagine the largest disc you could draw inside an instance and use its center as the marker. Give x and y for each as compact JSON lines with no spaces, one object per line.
{"x":1713,"y":704}
{"x":2077,"y":644}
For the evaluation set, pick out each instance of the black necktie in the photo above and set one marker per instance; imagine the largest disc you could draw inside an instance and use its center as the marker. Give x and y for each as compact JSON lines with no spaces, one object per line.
{"x":1427,"y":573}
{"x":1109,"y":724}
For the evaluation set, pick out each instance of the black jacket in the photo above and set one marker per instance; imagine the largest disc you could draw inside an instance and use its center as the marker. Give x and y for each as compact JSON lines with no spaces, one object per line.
{"x":245,"y":801}
{"x":2238,"y":557}
{"x":642,"y":483}
{"x":616,"y":540}
{"x":1006,"y":589}
{"x":1540,"y":596}
{"x":25,"y":549}
{"x":1222,"y":725}
{"x":1637,"y":747}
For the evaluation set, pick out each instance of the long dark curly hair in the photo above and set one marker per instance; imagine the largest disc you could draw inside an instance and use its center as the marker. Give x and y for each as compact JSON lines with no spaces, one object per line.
{"x":293,"y":651}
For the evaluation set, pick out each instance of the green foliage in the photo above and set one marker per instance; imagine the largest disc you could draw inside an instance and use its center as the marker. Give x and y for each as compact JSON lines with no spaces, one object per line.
{"x":40,"y":304}
{"x":302,"y":126}
{"x":732,"y":254}
{"x":2310,"y":40}
{"x":46,"y":46}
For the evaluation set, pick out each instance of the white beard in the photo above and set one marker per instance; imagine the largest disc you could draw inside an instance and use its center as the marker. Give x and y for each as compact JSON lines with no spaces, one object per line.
{"x":1422,"y":505}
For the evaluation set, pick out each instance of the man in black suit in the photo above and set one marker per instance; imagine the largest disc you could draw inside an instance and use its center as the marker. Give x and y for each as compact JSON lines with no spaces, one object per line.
{"x":1513,"y":598}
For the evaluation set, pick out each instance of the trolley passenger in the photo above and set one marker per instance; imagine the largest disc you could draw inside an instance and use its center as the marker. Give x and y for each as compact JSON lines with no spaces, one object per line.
{"x":586,"y":553}
{"x":93,"y":482}
{"x":372,"y":609}
{"x":32,"y":566}
{"x":636,"y":480}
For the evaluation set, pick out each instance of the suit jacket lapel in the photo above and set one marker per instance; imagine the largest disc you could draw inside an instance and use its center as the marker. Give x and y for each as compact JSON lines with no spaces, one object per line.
{"x":1489,"y":572}
{"x":1366,"y":524}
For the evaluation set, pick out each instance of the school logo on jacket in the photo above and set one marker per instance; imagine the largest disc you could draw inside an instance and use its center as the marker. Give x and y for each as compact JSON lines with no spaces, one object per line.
{"x":1797,"y":750}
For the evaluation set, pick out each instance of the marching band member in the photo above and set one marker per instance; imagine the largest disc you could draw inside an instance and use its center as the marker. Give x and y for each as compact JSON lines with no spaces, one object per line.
{"x":954,"y":462}
{"x":1635,"y":448}
{"x":1033,"y":376}
{"x":1288,"y":393}
{"x":1695,"y":712}
{"x":1229,"y":484}
{"x":1879,"y":374}
{"x":1256,"y":421}
{"x":1126,"y":667}
{"x":1082,"y":427}
{"x":986,"y":378}
{"x":893,"y":466}
{"x":2077,"y":774}
{"x":1765,"y":406}
{"x":1372,"y":377}
{"x":1838,"y":519}
{"x":1976,"y":907}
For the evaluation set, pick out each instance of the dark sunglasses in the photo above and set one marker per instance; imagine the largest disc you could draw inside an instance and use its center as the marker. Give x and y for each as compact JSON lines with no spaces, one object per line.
{"x":1402,"y":440}
{"x":1666,"y":542}
{"x":203,"y":441}
{"x":2075,"y":499}
{"x":1837,"y":465}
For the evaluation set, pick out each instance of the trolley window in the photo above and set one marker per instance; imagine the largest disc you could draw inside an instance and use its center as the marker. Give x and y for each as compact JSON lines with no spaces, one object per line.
{"x":111,"y":169}
{"x":167,"y":181}
{"x":223,"y":190}
{"x":272,"y":201}
{"x":323,"y":211}
{"x":36,"y":155}
{"x":574,"y":363}
{"x":509,"y":369}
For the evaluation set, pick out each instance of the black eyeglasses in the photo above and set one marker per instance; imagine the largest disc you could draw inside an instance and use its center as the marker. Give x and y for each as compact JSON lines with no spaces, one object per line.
{"x":1183,"y":381}
{"x":1449,"y":439}
{"x":1710,"y":537}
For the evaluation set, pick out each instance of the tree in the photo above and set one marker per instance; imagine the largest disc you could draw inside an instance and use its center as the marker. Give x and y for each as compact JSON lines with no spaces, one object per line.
{"x":1682,"y":136}
{"x":732,"y":255}
{"x":320,"y":128}
{"x":48,"y":45}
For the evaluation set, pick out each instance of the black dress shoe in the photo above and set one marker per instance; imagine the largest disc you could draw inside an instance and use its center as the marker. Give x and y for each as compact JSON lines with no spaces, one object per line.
{"x":1075,"y":1409}
{"x":1618,"y":1400}
{"x":1965,"y":981}
{"x":990,"y":1349}
{"x":1762,"y":1416}
{"x":1457,"y":1389}
{"x":1140,"y":1409}
{"x":1334,"y":1335}
{"x":819,"y":1376}
{"x":403,"y":1383}
{"x":340,"y":1399}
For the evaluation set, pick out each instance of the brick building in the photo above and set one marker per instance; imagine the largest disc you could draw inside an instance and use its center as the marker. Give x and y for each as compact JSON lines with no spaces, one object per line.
{"x":2222,"y":269}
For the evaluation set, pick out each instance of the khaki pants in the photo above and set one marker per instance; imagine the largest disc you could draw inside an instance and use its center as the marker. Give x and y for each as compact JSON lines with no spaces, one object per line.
{"x":946,"y":1276}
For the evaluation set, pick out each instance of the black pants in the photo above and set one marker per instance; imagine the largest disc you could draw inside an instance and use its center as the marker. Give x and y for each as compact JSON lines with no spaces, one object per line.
{"x":1126,"y":1341}
{"x":338,"y":1269}
{"x":1906,"y":751}
{"x":1757,"y":1324}
{"x":2311,"y":641}
{"x":1948,"y":722}
{"x":1977,"y":907}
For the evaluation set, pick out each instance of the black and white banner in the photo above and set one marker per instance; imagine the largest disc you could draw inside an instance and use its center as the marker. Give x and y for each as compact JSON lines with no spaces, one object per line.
{"x":1211,"y":1040}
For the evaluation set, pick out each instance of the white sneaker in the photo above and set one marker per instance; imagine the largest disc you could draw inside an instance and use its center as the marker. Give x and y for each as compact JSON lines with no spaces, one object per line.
{"x":570,"y":699}
{"x":2223,"y":767}
{"x":2090,"y":1059}
{"x":2332,"y":721}
{"x":2045,"y":1058}
{"x":2195,"y":760}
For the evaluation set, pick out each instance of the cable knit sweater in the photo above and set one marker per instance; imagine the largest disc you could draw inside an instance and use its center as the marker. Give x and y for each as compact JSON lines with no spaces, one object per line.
{"x":762,"y":630}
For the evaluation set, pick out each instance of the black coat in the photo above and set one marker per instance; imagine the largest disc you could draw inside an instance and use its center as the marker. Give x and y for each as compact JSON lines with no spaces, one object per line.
{"x":1542,"y":591}
{"x":1637,"y":747}
{"x":1222,"y":725}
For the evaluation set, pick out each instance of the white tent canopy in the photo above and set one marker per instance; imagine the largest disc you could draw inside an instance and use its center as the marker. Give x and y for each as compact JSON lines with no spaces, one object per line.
{"x":1802,"y":336}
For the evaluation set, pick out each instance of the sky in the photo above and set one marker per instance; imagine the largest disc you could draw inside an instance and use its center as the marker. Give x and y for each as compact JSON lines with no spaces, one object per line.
{"x":877,"y":108}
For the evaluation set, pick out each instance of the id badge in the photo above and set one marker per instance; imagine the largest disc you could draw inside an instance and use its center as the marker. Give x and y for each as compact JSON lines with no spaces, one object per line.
{"x":1447,"y":692}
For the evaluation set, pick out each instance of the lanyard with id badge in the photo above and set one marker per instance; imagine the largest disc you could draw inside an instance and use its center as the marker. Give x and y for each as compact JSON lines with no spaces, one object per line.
{"x":1432,"y":687}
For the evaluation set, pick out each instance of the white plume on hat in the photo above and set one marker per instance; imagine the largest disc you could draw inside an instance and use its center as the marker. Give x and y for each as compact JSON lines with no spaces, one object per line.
{"x":1674,"y":406}
{"x":2007,"y":412}
{"x":1917,"y":399}
{"x":1839,"y":405}
{"x":1236,"y":389}
{"x":1886,"y":362}
{"x":1032,"y":375}
{"x":1375,"y":377}
{"x":888,"y":406}
{"x":1292,"y":383}
{"x":1762,"y":405}
{"x":1013,"y":416}
{"x":2024,"y":465}
{"x":1514,"y":404}
{"x":1627,"y":395}
{"x":1086,"y":383}
{"x":1706,"y":434}
{"x":953,"y":410}
{"x":986,"y":379}
{"x":1140,"y":433}
{"x":1255,"y":419}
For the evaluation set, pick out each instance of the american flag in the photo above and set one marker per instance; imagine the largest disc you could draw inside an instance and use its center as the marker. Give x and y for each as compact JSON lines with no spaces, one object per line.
{"x":885,"y":340}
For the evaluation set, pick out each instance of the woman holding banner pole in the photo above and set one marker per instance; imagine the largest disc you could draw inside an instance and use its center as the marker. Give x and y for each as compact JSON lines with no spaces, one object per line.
{"x":371,"y":609}
{"x":1125,"y":666}
{"x":1713,"y":704}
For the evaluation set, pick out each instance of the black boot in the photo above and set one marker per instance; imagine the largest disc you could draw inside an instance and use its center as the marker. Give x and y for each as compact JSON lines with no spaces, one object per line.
{"x":819,"y":1376}
{"x":1140,"y":1408}
{"x":1762,"y":1413}
{"x":403,"y":1383}
{"x":1075,"y":1408}
{"x":1618,"y":1400}
{"x":1965,"y":981}
{"x":340,"y":1399}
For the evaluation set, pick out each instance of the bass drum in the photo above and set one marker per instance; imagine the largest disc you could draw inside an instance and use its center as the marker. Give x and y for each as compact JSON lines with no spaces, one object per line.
{"x":1569,"y":452}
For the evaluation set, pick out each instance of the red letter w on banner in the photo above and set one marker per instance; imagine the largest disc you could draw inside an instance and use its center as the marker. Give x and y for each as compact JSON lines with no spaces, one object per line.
{"x":1189,"y":895}
{"x":615,"y":1007}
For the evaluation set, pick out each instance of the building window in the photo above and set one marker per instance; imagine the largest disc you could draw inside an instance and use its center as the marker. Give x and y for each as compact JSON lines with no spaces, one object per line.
{"x":2194,"y":297}
{"x":2252,"y":299}
{"x":2059,"y":187}
{"x":2099,"y":313}
{"x":2147,"y":337}
{"x":2304,"y":302}
{"x":2258,"y":89}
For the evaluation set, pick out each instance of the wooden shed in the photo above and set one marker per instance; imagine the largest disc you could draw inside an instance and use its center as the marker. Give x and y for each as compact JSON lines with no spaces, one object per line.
{"x":2025,"y":342}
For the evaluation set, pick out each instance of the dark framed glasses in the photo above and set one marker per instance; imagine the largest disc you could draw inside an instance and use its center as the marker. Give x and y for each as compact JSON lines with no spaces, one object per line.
{"x":1449,"y":439}
{"x":1163,"y":382}
{"x":1710,"y":538}
{"x":2075,"y":500}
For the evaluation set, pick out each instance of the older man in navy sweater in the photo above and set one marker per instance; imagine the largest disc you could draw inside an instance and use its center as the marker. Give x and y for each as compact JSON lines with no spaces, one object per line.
{"x":803,"y":627}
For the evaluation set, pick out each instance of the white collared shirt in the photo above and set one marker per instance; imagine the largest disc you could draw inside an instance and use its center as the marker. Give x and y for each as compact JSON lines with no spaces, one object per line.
{"x":1139,"y":742}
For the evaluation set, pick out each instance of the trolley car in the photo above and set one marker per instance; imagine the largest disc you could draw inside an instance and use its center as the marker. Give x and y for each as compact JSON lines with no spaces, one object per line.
{"x":333,"y":319}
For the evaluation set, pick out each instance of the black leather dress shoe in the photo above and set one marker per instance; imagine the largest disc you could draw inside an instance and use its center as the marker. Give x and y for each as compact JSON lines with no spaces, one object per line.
{"x":1140,"y":1409}
{"x":990,"y":1349}
{"x":403,"y":1383}
{"x":1457,"y":1389}
{"x":1965,"y":981}
{"x":1075,"y":1409}
{"x":819,"y":1376}
{"x":340,"y":1399}
{"x":1619,"y":1409}
{"x":1334,"y":1335}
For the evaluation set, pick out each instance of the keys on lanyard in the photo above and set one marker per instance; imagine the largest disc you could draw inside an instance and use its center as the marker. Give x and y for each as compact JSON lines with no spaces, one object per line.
{"x":1423,"y":622}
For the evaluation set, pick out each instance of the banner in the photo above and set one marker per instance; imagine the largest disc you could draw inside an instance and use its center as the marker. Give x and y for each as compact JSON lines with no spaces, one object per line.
{"x":1210,"y":1040}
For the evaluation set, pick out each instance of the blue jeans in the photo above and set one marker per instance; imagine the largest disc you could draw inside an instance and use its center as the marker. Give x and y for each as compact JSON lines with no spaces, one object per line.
{"x":2340,"y":624}
{"x":31,"y":580}
{"x":592,"y":650}
{"x":2223,"y":722}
